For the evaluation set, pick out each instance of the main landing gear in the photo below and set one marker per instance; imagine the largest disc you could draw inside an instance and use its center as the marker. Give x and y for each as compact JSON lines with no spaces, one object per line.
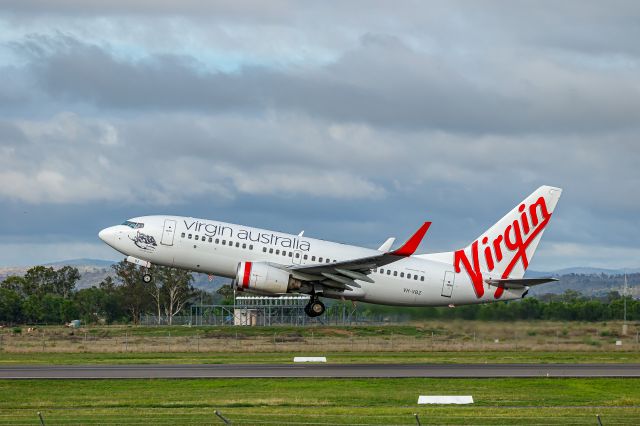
{"x":315,"y":307}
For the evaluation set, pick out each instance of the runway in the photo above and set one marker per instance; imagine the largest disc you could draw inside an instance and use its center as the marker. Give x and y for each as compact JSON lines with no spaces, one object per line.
{"x":317,"y":370}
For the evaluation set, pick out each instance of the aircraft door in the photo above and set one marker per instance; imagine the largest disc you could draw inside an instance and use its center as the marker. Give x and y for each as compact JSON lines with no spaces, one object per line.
{"x":168,"y":233}
{"x":447,"y":283}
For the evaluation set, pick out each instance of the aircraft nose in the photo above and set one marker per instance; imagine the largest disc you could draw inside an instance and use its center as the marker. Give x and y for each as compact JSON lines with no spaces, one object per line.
{"x":107,"y":235}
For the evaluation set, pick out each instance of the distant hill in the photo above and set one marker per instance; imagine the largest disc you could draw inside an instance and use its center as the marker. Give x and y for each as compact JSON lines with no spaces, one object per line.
{"x":591,"y":284}
{"x":83,"y":262}
{"x":588,"y":281}
{"x":93,"y":271}
{"x":584,"y":270}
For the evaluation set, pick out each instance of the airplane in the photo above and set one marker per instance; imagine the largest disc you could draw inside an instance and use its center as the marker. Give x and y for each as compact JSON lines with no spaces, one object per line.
{"x":491,"y":268}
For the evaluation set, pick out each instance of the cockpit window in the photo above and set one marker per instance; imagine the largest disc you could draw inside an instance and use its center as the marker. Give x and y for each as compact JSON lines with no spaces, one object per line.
{"x":133,"y":225}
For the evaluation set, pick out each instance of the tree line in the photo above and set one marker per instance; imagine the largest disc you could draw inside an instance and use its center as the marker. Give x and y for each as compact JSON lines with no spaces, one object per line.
{"x":44,"y":295}
{"x":568,"y":306}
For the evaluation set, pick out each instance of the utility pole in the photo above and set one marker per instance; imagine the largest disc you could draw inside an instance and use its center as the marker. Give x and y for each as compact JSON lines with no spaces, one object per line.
{"x":624,"y":324}
{"x":234,"y":304}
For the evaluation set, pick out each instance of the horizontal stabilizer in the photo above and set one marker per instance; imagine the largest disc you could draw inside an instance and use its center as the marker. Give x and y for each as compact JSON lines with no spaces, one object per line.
{"x":517,"y":283}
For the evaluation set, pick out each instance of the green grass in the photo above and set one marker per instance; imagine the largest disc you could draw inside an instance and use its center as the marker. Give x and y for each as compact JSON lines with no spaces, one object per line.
{"x":337,"y":357}
{"x":268,"y":331}
{"x":415,"y":329}
{"x":321,"y":401}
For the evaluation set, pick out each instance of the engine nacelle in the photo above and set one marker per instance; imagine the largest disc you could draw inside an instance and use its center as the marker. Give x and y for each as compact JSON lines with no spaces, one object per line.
{"x":262,"y":278}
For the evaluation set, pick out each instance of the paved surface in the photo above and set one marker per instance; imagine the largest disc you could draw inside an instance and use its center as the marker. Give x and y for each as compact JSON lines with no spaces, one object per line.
{"x":318,"y":370}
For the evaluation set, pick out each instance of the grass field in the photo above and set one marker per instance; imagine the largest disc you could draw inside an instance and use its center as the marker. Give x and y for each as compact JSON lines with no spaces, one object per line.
{"x":444,"y":357}
{"x":321,"y":401}
{"x":435,"y":336}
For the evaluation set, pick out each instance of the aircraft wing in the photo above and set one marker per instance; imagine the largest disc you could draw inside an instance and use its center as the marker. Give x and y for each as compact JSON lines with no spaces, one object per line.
{"x":517,"y":283}
{"x":342,"y":275}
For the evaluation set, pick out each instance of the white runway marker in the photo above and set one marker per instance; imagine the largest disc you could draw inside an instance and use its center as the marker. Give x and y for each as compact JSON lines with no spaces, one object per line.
{"x":310,"y":359}
{"x":445,"y":399}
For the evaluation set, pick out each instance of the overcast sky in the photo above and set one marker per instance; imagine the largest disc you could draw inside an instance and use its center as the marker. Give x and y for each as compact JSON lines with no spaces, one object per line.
{"x":352,"y":120}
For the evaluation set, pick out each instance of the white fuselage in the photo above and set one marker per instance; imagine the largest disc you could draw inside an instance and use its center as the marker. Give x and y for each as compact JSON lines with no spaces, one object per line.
{"x":216,"y":248}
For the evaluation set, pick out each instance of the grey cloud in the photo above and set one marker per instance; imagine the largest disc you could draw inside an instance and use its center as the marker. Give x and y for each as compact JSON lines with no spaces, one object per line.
{"x":451,"y":24}
{"x":443,"y":111}
{"x":586,"y":27}
{"x":382,"y":82}
{"x":462,"y":203}
{"x":74,"y":159}
{"x":11,"y":136}
{"x":258,"y":10}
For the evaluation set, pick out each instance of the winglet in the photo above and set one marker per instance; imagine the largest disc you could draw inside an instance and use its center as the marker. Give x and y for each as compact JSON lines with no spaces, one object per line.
{"x":412,"y":243}
{"x":386,"y":246}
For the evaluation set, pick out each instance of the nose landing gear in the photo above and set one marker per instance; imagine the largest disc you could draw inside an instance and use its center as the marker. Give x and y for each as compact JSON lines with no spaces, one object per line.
{"x":315,"y":307}
{"x":145,"y":265}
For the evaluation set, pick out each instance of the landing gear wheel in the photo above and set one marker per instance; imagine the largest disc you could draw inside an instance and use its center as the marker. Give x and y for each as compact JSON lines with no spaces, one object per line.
{"x":146,"y":278}
{"x":314,"y":308}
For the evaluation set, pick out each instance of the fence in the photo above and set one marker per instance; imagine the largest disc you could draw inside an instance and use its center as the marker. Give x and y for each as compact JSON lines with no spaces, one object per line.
{"x":264,"y":311}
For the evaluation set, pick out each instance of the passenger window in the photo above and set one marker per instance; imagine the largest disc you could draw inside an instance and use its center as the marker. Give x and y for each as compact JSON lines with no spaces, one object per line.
{"x":381,"y":271}
{"x":328,"y":260}
{"x":210,"y":239}
{"x":415,"y":277}
{"x":401,"y":274}
{"x":304,"y":257}
{"x":270,"y":250}
{"x":320,"y":259}
{"x":224,"y":242}
{"x":264,"y":249}
{"x":388,"y":271}
{"x":278,"y":251}
{"x":422,"y":278}
{"x":244,"y":246}
{"x":297,"y":255}
{"x":395,"y":273}
{"x":238,"y":245}
{"x":217,"y":240}
{"x":313,"y":258}
{"x":250,"y":246}
{"x":190,"y":236}
{"x":197,"y":237}
{"x":290,"y":254}
{"x":182,"y":235}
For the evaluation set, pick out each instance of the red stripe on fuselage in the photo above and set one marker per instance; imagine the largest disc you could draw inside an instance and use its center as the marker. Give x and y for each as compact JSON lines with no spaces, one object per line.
{"x":246,"y":275}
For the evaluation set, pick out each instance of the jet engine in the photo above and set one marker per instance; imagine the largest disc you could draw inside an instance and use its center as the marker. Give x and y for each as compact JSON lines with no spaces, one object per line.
{"x":261,"y":277}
